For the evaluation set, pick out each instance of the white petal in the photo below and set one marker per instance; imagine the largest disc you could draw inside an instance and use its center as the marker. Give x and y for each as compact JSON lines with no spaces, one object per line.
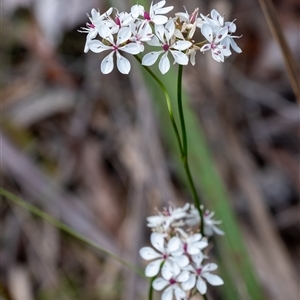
{"x":159,"y":20}
{"x":163,"y":11}
{"x":208,"y":231}
{"x":150,"y":58}
{"x":200,"y":245}
{"x":123,"y":64}
{"x":182,"y":45}
{"x":123,"y":35}
{"x":153,"y":268}
{"x":173,"y":244}
{"x":207,"y":32}
{"x":167,"y":270}
{"x":131,"y":48}
{"x":193,"y":58}
{"x":192,"y":250}
{"x":179,"y":293}
{"x":210,"y":267}
{"x":213,"y":279}
{"x":181,"y":260}
{"x":160,"y":32}
{"x":86,"y":48}
{"x":107,"y":63}
{"x":197,"y":259}
{"x":105,"y":33}
{"x":157,"y":220}
{"x":167,"y":294}
{"x":231,"y":26}
{"x":95,"y":14}
{"x":194,"y":238}
{"x":169,"y":29}
{"x":217,"y":17}
{"x":184,"y":276}
{"x":190,"y":283}
{"x":157,"y":5}
{"x":148,"y":253}
{"x":215,"y":228}
{"x":180,"y":57}
{"x":201,"y":286}
{"x":159,"y":284}
{"x":154,"y":41}
{"x":218,"y":56}
{"x":234,"y":45}
{"x":164,"y":64}
{"x":137,"y":10}
{"x":205,"y":48}
{"x":97,"y":46}
{"x":221,"y":34}
{"x":157,"y":241}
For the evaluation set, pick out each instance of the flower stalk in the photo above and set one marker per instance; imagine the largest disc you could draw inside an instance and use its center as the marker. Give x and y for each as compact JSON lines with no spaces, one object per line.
{"x":179,"y":236}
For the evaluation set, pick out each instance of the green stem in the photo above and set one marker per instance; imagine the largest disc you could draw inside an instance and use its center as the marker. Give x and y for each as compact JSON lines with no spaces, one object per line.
{"x":180,"y":110}
{"x":184,"y":155}
{"x":150,"y":294}
{"x":63,"y":227}
{"x":168,"y":101}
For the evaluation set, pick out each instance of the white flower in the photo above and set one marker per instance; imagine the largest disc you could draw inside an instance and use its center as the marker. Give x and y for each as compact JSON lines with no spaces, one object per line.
{"x":121,"y":44}
{"x":141,"y":32}
{"x":167,"y":217}
{"x":189,"y":22}
{"x":193,"y":219}
{"x":165,"y":38}
{"x":192,"y":244}
{"x":198,"y":272}
{"x":217,"y":23}
{"x":218,"y":51}
{"x":172,"y":286}
{"x":155,"y":15}
{"x":123,"y":19}
{"x":210,"y":225}
{"x":164,"y":258}
{"x":92,"y":28}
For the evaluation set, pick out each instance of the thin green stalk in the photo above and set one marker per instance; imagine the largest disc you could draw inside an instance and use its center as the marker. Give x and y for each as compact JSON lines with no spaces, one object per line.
{"x":180,"y":110}
{"x":150,"y":294}
{"x":194,"y":193}
{"x":168,"y":101}
{"x":184,"y":156}
{"x":63,"y":227}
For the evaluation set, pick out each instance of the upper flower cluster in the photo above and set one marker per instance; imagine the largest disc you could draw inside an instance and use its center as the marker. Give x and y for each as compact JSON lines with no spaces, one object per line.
{"x":129,"y":32}
{"x":177,"y":252}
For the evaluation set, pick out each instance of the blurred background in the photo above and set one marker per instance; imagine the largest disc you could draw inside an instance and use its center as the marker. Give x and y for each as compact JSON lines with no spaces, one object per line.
{"x":97,"y":152}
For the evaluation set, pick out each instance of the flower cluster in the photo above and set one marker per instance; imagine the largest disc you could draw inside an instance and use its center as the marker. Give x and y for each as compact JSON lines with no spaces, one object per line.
{"x":176,"y":255}
{"x":128,"y":32}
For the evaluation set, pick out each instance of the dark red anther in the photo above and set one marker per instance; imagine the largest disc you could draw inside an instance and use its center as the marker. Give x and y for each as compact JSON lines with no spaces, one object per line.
{"x":166,"y":47}
{"x":147,"y":16}
{"x":185,"y":247}
{"x":118,"y":22}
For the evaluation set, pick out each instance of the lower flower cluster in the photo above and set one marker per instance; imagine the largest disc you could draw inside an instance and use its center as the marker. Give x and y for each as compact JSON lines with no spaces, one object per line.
{"x":177,"y":260}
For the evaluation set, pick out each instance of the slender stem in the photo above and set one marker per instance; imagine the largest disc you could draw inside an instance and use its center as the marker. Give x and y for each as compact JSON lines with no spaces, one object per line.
{"x":63,"y":227}
{"x":168,"y":101}
{"x":180,"y":110}
{"x":150,"y":294}
{"x":194,"y":193}
{"x":184,"y":156}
